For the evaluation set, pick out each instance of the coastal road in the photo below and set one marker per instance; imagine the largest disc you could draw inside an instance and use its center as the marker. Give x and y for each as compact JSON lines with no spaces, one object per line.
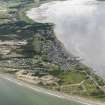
{"x":13,"y":92}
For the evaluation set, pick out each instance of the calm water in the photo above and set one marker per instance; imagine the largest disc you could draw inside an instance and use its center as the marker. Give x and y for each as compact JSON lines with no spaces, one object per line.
{"x":80,"y":25}
{"x":12,"y":94}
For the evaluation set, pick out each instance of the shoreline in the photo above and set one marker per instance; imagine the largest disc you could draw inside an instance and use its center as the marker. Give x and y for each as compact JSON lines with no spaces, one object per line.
{"x":57,"y":94}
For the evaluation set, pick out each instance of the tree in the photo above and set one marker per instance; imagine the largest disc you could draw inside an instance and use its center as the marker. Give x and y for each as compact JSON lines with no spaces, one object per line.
{"x":36,"y":44}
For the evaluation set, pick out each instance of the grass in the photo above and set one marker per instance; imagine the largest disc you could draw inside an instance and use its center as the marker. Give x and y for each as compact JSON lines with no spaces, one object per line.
{"x":88,"y":89}
{"x":72,"y":77}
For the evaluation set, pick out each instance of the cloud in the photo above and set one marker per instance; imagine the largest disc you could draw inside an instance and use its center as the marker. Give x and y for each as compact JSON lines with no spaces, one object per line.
{"x":80,"y":25}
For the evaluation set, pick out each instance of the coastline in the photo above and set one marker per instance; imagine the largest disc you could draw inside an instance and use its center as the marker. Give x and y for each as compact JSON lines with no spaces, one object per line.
{"x":35,"y":88}
{"x":75,"y":98}
{"x":57,"y":94}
